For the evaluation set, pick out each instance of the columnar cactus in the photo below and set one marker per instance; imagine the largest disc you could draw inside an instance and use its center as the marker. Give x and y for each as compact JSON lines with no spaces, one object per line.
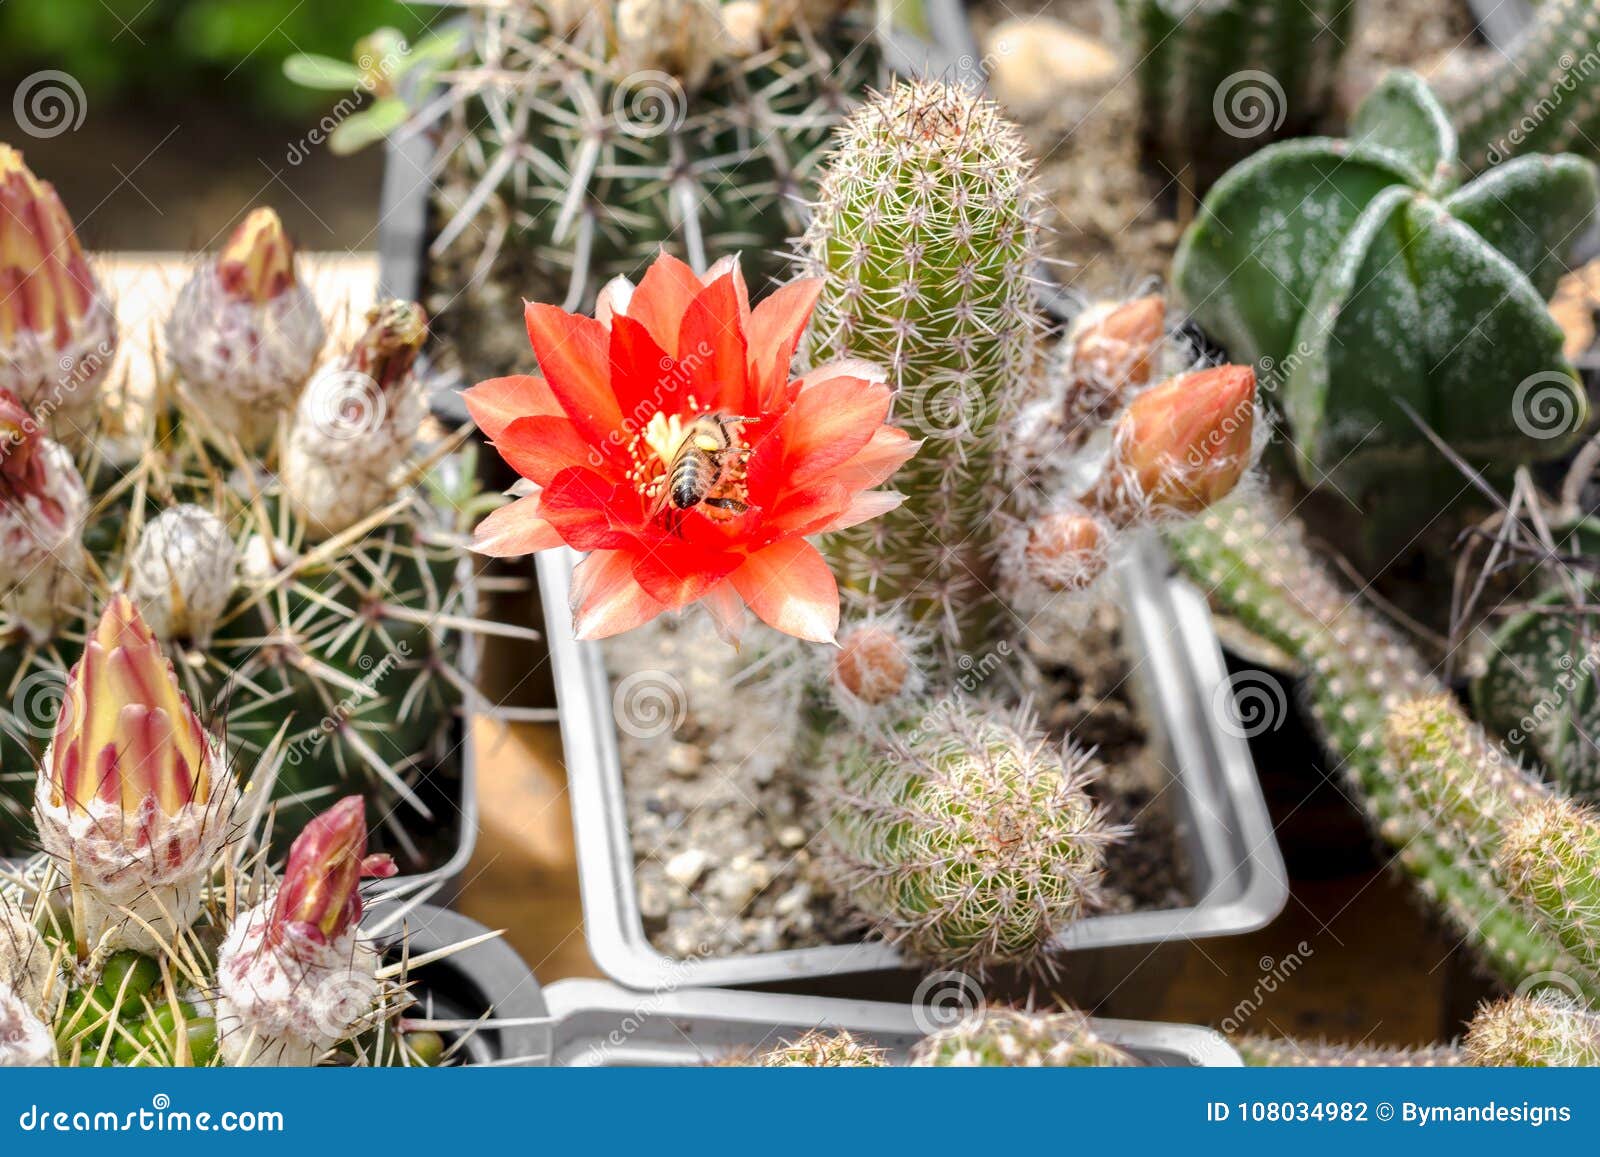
{"x":355,"y":427}
{"x":1219,"y":78}
{"x":43,"y":505}
{"x":926,"y":233}
{"x":133,"y":793}
{"x":245,"y":332}
{"x":1268,"y":1052}
{"x":1549,"y":858}
{"x":1011,"y":1038}
{"x":1546,"y":1030}
{"x":968,"y":841}
{"x":1363,"y":281}
{"x":57,"y":332}
{"x":825,"y":1049}
{"x":1539,"y":96}
{"x":294,"y":977}
{"x":1254,"y":565}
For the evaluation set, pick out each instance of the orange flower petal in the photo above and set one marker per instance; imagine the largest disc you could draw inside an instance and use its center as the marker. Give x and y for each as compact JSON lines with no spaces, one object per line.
{"x":774,"y":332}
{"x":887,"y":451}
{"x":829,"y":423}
{"x":646,"y":380}
{"x":661,"y":297}
{"x":605,"y":598}
{"x":514,"y":530}
{"x":572,"y":353}
{"x":540,"y":448}
{"x":676,"y":575}
{"x":589,"y":511}
{"x":866,"y":506}
{"x":789,"y":587}
{"x":498,"y":402}
{"x":711,"y":347}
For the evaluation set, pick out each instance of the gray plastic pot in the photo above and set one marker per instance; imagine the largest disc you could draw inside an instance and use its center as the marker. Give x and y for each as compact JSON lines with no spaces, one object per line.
{"x":1237,"y":871}
{"x":594,"y":1023}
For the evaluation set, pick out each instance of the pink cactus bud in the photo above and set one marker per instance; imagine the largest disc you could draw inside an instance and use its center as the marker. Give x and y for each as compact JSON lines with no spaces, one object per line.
{"x":23,"y":470}
{"x":1181,"y":446}
{"x":872,"y":663}
{"x":1067,"y":549}
{"x":1118,"y":349}
{"x":320,"y":899}
{"x":386,"y":352}
{"x":132,"y":792}
{"x":257,"y":263}
{"x":57,"y":333}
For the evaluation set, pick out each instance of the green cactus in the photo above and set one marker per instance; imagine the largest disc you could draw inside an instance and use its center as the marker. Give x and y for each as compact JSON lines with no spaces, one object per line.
{"x":926,"y":235}
{"x":1011,"y":1038}
{"x":1538,"y":685}
{"x":966,"y":838}
{"x":1219,"y":79}
{"x":1255,"y":565}
{"x":824,"y":1049}
{"x":1549,"y":857}
{"x":571,"y":148}
{"x":1547,"y":1030}
{"x":1269,"y":1052}
{"x":1540,"y":96}
{"x":1363,"y":280}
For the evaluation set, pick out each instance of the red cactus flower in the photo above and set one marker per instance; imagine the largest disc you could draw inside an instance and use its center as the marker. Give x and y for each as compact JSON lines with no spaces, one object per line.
{"x":668,"y":440}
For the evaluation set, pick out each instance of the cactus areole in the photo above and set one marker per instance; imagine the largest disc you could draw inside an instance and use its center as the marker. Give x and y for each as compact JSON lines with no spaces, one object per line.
{"x":1363,"y":279}
{"x":667,"y":438}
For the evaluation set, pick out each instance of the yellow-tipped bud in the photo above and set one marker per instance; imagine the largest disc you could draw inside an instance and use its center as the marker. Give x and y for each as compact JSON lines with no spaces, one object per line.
{"x":45,"y":283}
{"x":257,"y":263}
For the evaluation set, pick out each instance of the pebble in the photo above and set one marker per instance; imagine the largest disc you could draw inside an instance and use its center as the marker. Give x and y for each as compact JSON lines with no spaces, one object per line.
{"x":792,"y":836}
{"x":1035,"y":61}
{"x":740,"y":882}
{"x":685,"y":759}
{"x":686,"y":867}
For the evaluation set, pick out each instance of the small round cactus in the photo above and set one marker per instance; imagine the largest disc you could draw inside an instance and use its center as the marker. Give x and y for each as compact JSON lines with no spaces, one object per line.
{"x":245,"y":333}
{"x":967,"y":839}
{"x":1064,"y":550}
{"x":824,"y":1049}
{"x":182,"y":571}
{"x":1545,"y":1030}
{"x":1011,"y":1038}
{"x":1270,"y":1052}
{"x":1547,"y":857}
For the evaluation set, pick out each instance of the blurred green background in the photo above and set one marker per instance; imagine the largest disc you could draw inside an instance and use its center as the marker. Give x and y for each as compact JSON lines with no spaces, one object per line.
{"x":168,"y":52}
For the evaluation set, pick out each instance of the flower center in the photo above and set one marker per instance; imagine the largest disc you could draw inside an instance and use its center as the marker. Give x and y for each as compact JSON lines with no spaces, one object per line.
{"x":693,"y":460}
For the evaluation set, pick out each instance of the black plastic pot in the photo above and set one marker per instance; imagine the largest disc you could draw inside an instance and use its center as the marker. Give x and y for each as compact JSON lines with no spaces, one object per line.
{"x":487,"y":982}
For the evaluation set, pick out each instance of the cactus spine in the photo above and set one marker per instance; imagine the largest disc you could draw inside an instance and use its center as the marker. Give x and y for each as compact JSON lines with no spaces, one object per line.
{"x":925,"y":232}
{"x":1268,"y":1052}
{"x":1543,"y":96}
{"x":1549,"y":858}
{"x":1545,"y":1030}
{"x":1255,"y":566}
{"x":824,"y":1049}
{"x":1219,"y":79}
{"x":969,"y":842}
{"x":1011,"y":1038}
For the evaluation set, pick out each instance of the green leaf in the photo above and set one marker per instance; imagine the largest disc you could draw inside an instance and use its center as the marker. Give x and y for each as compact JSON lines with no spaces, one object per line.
{"x":368,"y":126}
{"x":1356,"y":353}
{"x":1532,"y":209}
{"x":1403,"y":116}
{"x":1250,"y":261}
{"x":322,"y":72}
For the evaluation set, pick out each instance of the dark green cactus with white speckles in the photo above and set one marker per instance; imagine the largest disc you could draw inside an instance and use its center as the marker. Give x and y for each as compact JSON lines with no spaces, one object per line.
{"x":1542,"y":95}
{"x":1362,"y":278}
{"x":925,"y":233}
{"x":1219,"y":80}
{"x":1429,"y":780}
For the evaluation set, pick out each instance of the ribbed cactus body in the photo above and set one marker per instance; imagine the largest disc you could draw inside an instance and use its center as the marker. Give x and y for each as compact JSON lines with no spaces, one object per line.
{"x":1542,"y":95}
{"x":966,"y":839}
{"x":1372,"y":290}
{"x":1359,"y":673}
{"x":1547,"y":1030}
{"x":925,"y":231}
{"x":1548,"y":858}
{"x":1011,"y":1038}
{"x":575,"y":151}
{"x":1220,"y":78}
{"x":1268,"y":1052}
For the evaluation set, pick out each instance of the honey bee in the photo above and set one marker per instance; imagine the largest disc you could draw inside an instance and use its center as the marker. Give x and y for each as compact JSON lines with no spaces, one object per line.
{"x":701,"y":465}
